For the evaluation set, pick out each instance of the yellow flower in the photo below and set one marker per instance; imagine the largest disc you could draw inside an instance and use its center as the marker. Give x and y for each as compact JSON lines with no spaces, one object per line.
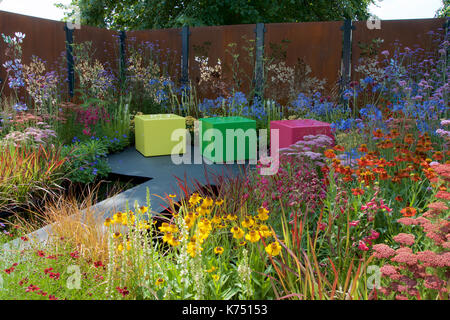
{"x":159,"y":282}
{"x":189,"y":222}
{"x":164,"y":227}
{"x":120,"y":247}
{"x":221,"y":225}
{"x":193,"y":249}
{"x":202,"y":211}
{"x":207,"y":202}
{"x":205,"y":225}
{"x":237,"y":232}
{"x":216,"y":219}
{"x":173,"y":228}
{"x":263,"y":214}
{"x":273,"y":249}
{"x":242,"y":243}
{"x":117,"y":217}
{"x":143,"y":209}
{"x":143,"y":225}
{"x":252,"y":236}
{"x":215,"y":277}
{"x":172,"y":196}
{"x":174,"y":242}
{"x":219,"y":202}
{"x":167,"y":237}
{"x":218,"y":250}
{"x":265,"y":231}
{"x":195,"y":199}
{"x":117,"y":235}
{"x":108,"y":222}
{"x":232,"y":217}
{"x":248,"y":222}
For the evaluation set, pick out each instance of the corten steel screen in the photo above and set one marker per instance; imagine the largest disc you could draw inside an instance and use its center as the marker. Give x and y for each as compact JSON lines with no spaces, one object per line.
{"x":318,"y":44}
{"x":214,"y":42}
{"x":44,"y":38}
{"x":407,"y":33}
{"x":105,"y":44}
{"x":165,"y":43}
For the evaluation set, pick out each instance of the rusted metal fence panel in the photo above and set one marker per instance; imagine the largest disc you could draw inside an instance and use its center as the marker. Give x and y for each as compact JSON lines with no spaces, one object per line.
{"x":44,"y":39}
{"x":407,"y":33}
{"x":316,"y":44}
{"x":165,"y":47}
{"x":232,"y":46}
{"x":310,"y":50}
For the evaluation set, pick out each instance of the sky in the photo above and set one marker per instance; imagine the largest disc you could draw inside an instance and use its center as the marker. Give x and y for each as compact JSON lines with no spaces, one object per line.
{"x":386,"y":10}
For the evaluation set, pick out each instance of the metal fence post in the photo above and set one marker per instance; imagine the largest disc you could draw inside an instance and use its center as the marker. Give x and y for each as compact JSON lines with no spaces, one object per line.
{"x":259,"y":56}
{"x":122,"y":61}
{"x":70,"y":61}
{"x":346,"y":55}
{"x":185,"y":55}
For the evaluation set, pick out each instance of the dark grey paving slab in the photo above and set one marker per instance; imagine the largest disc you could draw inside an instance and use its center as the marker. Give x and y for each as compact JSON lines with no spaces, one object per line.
{"x":164,"y":174}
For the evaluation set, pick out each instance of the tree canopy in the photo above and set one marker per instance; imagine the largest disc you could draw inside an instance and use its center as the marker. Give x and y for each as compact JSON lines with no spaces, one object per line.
{"x":157,"y":14}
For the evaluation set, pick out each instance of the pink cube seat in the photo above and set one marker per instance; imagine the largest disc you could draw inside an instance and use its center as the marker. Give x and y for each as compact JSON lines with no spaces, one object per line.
{"x":292,"y":131}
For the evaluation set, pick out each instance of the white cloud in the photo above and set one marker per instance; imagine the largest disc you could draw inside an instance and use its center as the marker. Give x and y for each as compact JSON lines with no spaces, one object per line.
{"x":405,"y":9}
{"x":37,"y":8}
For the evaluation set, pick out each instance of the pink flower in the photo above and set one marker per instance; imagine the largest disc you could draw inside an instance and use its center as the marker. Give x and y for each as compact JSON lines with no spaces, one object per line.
{"x":405,"y":239}
{"x":362,"y":246}
{"x":383,"y":251}
{"x":387,"y":270}
{"x":354,"y":223}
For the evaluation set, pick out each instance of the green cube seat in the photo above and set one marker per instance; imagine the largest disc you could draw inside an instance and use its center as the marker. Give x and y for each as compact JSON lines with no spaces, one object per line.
{"x":154,"y":134}
{"x":228,"y":139}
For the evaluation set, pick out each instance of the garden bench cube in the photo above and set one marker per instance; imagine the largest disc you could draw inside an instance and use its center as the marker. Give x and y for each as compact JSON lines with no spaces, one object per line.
{"x":154,"y":134}
{"x":234,"y":139}
{"x":292,"y":131}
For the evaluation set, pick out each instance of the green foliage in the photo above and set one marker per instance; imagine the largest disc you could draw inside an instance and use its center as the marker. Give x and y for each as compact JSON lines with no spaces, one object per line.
{"x":87,"y":160}
{"x":154,"y":14}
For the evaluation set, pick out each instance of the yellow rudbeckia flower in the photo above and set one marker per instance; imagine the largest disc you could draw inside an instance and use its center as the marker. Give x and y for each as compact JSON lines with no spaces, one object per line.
{"x":263,"y":214}
{"x":237,"y":232}
{"x":253,"y":236}
{"x":248,"y":222}
{"x":273,"y":249}
{"x":159,"y":282}
{"x":218,"y":250}
{"x":107,"y":222}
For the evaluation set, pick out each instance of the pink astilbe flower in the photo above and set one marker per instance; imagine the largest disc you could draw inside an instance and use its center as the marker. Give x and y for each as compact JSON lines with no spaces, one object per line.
{"x":405,"y":239}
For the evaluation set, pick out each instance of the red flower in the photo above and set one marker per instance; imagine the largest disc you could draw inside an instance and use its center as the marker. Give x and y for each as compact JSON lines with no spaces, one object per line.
{"x":24,"y":238}
{"x":75,"y":254}
{"x":124,"y":292}
{"x":330,"y":154}
{"x":52,"y":297}
{"x":41,"y":253}
{"x":357,"y":191}
{"x":98,"y":264}
{"x":32,"y":288}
